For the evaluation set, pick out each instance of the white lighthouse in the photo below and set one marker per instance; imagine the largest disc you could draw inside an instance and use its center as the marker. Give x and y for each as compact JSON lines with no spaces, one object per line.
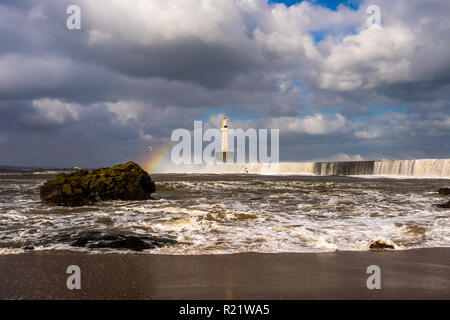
{"x":224,"y":135}
{"x":225,"y":156}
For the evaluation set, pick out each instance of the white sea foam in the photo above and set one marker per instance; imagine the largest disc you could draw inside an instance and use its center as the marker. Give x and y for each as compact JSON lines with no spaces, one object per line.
{"x":421,"y":168}
{"x":228,"y":214}
{"x":48,"y":172}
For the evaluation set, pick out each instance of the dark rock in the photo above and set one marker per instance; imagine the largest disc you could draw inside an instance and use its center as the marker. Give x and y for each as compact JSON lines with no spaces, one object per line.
{"x":444,"y":206}
{"x":380,"y":244}
{"x":98,"y":240}
{"x":28,"y":248}
{"x":122,"y":182}
{"x":444,"y":191}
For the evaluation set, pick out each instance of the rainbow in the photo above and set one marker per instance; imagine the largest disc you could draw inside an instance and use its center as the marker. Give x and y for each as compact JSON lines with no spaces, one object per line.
{"x":156,"y":157}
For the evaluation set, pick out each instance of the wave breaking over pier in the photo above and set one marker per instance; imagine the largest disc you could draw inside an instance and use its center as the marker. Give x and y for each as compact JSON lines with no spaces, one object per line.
{"x":436,"y":168}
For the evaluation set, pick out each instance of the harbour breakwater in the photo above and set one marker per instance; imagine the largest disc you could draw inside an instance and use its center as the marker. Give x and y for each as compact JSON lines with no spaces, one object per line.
{"x":407,"y":168}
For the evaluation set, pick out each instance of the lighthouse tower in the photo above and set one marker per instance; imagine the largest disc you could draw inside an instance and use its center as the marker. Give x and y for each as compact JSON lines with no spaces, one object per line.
{"x":224,"y":135}
{"x":225,"y":156}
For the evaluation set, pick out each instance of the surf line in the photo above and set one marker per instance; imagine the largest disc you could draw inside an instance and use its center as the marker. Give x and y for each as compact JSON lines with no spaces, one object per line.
{"x":191,"y":310}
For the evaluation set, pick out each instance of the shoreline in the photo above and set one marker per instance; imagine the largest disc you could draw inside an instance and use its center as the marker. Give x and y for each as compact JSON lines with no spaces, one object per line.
{"x":154,"y":252}
{"x":405,"y":274}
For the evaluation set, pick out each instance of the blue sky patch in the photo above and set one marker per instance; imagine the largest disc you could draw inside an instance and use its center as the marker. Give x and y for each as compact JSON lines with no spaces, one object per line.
{"x":331,"y":4}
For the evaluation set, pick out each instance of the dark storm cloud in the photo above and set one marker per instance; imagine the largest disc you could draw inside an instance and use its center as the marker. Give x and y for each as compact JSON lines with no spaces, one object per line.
{"x":189,"y":58}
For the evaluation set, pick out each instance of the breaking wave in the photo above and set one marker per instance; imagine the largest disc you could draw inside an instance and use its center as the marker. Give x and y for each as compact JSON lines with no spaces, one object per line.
{"x":426,"y":168}
{"x":231,"y":213}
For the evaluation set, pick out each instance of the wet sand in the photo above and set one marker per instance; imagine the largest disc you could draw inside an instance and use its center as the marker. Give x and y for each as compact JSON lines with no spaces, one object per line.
{"x":411,"y":274}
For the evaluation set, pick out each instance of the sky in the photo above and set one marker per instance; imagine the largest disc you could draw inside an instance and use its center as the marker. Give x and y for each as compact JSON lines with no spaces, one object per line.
{"x":137,"y":70}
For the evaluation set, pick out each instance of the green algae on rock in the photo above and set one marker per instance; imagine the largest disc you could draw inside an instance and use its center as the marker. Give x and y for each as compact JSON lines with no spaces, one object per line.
{"x":122,"y":182}
{"x":380,"y":245}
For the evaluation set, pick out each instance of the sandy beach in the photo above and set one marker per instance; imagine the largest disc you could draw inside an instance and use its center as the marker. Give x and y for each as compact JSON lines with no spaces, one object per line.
{"x":410,"y":274}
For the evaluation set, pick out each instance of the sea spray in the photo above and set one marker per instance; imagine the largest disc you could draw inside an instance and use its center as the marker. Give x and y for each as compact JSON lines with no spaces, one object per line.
{"x":425,"y":168}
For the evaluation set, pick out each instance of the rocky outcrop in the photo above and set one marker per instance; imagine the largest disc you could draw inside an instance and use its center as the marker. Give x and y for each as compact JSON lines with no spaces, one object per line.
{"x":380,"y":245}
{"x":445,"y":192}
{"x":444,"y":206}
{"x":104,"y":240}
{"x":122,"y":182}
{"x":98,"y":240}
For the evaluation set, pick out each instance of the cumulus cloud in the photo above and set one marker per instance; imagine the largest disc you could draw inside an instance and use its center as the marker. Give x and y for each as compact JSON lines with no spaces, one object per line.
{"x":314,"y":125}
{"x":343,"y":157}
{"x":368,"y":59}
{"x":57,"y":110}
{"x":364,"y":134}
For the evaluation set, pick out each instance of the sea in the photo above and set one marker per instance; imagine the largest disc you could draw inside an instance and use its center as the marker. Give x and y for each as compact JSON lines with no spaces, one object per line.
{"x":225,"y":213}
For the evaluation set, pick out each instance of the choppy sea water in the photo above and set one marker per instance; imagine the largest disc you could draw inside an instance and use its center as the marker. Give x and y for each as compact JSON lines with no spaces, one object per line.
{"x":217,"y":214}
